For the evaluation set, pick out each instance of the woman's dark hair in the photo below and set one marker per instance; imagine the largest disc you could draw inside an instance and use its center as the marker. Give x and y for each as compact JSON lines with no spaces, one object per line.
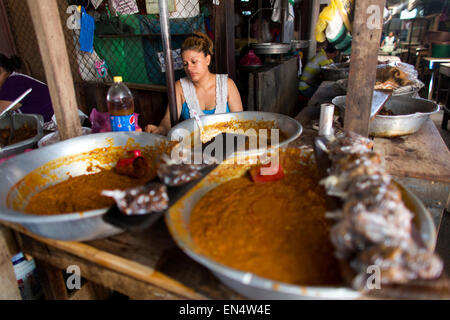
{"x":10,"y":64}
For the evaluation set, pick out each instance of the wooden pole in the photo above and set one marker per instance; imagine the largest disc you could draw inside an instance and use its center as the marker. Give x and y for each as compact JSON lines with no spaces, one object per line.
{"x":49,"y":32}
{"x":224,"y":38}
{"x":170,"y":75}
{"x":314,"y":17}
{"x":367,"y":26}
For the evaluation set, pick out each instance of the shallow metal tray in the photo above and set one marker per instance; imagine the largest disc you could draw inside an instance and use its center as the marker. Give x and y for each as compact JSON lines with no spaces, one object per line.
{"x":79,"y":226}
{"x":251,"y":285}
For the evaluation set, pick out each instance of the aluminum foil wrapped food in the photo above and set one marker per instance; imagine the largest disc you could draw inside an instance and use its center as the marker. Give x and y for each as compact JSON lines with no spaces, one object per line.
{"x":373,"y":227}
{"x":174,"y":174}
{"x":145,"y":199}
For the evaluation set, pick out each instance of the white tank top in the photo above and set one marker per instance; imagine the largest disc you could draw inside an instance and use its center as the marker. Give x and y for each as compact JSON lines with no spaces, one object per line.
{"x":192,"y":100}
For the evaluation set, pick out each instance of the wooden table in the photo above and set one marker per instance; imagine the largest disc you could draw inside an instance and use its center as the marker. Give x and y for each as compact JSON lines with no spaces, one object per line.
{"x":433,"y":64}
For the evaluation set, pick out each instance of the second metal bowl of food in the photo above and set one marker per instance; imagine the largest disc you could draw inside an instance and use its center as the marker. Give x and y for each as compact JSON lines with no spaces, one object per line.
{"x":233,"y":121}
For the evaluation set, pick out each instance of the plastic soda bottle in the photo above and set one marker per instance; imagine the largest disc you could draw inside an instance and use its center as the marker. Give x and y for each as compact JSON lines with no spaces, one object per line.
{"x":120,"y":104}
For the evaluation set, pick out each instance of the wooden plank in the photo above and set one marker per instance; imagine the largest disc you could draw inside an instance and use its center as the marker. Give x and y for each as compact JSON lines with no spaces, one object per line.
{"x":9,"y":287}
{"x":276,"y":88}
{"x":422,"y":155}
{"x":47,"y":23}
{"x":366,"y":34}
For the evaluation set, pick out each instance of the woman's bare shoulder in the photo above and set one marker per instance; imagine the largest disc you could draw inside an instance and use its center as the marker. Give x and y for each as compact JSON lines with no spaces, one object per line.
{"x":231,"y":84}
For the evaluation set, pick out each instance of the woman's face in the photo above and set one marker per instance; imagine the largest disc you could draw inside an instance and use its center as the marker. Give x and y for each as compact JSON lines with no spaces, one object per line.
{"x":195,"y":64}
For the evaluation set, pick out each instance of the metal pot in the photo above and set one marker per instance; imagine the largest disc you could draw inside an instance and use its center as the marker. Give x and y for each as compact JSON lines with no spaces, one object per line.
{"x":271,"y":48}
{"x":289,"y":126}
{"x":335,"y":71}
{"x":300,"y":44}
{"x":250,"y":285}
{"x":410,"y":114}
{"x":79,"y":226}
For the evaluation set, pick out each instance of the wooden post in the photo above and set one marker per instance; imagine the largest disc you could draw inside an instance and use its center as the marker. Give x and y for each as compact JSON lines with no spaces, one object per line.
{"x":284,"y":17}
{"x":367,"y":26}
{"x":314,"y":17}
{"x":224,"y":38}
{"x":49,"y":33}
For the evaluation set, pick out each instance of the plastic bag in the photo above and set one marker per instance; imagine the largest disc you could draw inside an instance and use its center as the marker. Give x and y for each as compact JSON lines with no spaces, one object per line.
{"x":87,"y":32}
{"x":335,"y":25}
{"x":250,"y":59}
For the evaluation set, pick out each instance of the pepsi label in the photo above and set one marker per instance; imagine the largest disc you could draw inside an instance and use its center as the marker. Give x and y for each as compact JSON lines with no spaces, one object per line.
{"x":123,"y":123}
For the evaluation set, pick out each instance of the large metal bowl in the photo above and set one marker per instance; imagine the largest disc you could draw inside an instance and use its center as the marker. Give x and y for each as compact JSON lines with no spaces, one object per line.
{"x":289,"y":126}
{"x":78,"y":226}
{"x":410,"y":114}
{"x":251,"y":285}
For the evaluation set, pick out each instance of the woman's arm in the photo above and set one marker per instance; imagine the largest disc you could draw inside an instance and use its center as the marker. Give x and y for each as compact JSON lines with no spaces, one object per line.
{"x":164,"y":125}
{"x":234,"y":98}
{"x":4,"y":104}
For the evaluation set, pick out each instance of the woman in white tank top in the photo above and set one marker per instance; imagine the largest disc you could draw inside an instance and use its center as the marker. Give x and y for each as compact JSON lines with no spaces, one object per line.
{"x":201,"y":91}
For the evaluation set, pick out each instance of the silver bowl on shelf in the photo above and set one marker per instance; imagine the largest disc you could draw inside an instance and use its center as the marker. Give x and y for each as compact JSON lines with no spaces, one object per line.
{"x":300,"y":44}
{"x":271,"y":48}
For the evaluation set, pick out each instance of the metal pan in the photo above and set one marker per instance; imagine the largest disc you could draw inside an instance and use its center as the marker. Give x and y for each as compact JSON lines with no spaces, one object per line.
{"x":251,"y":285}
{"x":410,"y":114}
{"x":18,"y":187}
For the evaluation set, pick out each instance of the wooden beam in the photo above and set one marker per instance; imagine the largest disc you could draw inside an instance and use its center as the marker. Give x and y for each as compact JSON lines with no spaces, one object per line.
{"x":367,"y":26}
{"x":49,"y":33}
{"x":224,"y":38}
{"x":315,"y":11}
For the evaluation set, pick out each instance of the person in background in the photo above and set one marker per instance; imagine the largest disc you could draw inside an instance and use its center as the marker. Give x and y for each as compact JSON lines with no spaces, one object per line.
{"x":389,"y":43}
{"x":201,"y":91}
{"x":13,"y":84}
{"x":310,"y":78}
